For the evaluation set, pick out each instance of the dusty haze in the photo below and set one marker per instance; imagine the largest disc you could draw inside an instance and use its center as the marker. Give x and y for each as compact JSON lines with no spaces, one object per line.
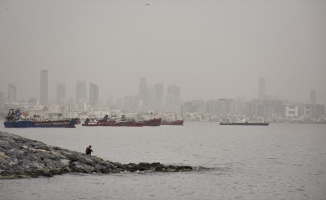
{"x":211,"y":49}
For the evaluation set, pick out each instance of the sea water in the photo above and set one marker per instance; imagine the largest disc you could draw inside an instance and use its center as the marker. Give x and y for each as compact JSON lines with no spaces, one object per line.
{"x":279,"y":161}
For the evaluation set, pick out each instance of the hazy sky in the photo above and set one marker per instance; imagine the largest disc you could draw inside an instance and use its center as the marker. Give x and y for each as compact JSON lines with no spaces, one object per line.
{"x":211,"y":49}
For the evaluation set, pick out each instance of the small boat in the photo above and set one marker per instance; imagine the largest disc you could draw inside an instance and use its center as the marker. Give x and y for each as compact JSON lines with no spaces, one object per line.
{"x":13,"y":121}
{"x":175,"y":122}
{"x":153,"y":122}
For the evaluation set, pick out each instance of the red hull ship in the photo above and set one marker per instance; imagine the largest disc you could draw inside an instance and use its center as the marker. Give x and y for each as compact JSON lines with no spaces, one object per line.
{"x":153,"y":122}
{"x":176,"y":122}
{"x":111,"y":122}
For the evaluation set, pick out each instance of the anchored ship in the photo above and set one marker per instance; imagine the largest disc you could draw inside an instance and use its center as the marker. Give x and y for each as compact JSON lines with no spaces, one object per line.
{"x":13,"y":120}
{"x":246,"y":123}
{"x":153,"y":122}
{"x":106,"y":121}
{"x":227,"y":122}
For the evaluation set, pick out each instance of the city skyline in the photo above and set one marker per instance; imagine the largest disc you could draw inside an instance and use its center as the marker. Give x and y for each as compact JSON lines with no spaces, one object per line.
{"x":215,"y":49}
{"x":159,"y":96}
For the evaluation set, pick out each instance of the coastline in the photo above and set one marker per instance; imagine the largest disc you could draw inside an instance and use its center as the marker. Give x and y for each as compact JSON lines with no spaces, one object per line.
{"x":23,"y":158}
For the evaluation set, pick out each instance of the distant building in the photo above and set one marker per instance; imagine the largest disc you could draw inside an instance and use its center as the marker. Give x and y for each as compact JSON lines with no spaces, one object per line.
{"x":136,"y":101}
{"x":173,"y":98}
{"x":61,"y":93}
{"x":313,"y":97}
{"x":11,"y":93}
{"x":93,"y":94}
{"x":307,"y":110}
{"x":44,"y":88}
{"x":158,"y":95}
{"x":119,"y":103}
{"x":262,"y":89}
{"x":318,"y":110}
{"x":33,"y":102}
{"x":109,"y":101}
{"x":128,"y":102}
{"x":80,"y":91}
{"x":150,"y":97}
{"x":2,"y":100}
{"x":291,"y":111}
{"x":143,"y":91}
{"x":225,"y":106}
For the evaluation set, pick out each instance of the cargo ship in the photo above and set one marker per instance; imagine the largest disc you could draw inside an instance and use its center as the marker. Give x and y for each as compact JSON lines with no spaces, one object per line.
{"x":175,"y":122}
{"x":246,"y":123}
{"x":106,"y":121}
{"x":13,"y":121}
{"x":153,"y":122}
{"x":227,"y":122}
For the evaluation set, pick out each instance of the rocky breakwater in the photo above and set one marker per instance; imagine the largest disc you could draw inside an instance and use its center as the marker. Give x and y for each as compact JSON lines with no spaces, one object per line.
{"x":21,"y":158}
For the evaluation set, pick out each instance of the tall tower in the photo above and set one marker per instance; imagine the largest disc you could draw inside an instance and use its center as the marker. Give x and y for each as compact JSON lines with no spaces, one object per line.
{"x":313,"y":97}
{"x":143,"y":91}
{"x":93,"y":94}
{"x":262,"y":88}
{"x":11,"y":93}
{"x":173,"y":97}
{"x":44,"y":88}
{"x":61,"y":93}
{"x":80,"y":91}
{"x":158,"y":95}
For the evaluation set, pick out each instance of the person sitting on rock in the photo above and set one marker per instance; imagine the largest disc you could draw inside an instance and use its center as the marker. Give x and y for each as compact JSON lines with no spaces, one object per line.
{"x":89,"y":150}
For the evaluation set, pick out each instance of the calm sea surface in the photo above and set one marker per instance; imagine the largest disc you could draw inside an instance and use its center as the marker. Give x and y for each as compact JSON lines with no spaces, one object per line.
{"x":281,"y":161}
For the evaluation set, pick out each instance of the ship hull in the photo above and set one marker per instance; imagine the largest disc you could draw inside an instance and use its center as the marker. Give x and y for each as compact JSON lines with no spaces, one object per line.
{"x":153,"y":122}
{"x":30,"y":124}
{"x":120,"y":124}
{"x":176,"y":122}
{"x":246,"y":124}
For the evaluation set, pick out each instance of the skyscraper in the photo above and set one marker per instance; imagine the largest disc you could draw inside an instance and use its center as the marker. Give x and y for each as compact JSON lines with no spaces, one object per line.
{"x":44,"y":88}
{"x":11,"y":93}
{"x":173,"y":97}
{"x":143,"y":91}
{"x":158,"y":95}
{"x":93,"y":94}
{"x":313,"y":97}
{"x":2,"y":100}
{"x":80,"y":91}
{"x":61,"y":93}
{"x":262,"y":88}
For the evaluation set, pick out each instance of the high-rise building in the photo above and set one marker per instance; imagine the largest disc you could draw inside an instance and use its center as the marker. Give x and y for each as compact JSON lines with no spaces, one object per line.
{"x":44,"y":88}
{"x":158,"y":95}
{"x":136,"y":101}
{"x":93,"y":94}
{"x":175,"y":91}
{"x":143,"y":91}
{"x":11,"y":93}
{"x":61,"y":93}
{"x":2,"y":100}
{"x":173,"y":98}
{"x":262,"y":89}
{"x":80,"y":91}
{"x":313,"y":97}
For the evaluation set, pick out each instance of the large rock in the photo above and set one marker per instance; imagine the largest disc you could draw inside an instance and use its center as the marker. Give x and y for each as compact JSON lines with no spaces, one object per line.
{"x":21,"y":157}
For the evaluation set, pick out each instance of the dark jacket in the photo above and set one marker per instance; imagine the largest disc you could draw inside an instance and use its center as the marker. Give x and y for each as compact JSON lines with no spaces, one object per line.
{"x":89,"y":150}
